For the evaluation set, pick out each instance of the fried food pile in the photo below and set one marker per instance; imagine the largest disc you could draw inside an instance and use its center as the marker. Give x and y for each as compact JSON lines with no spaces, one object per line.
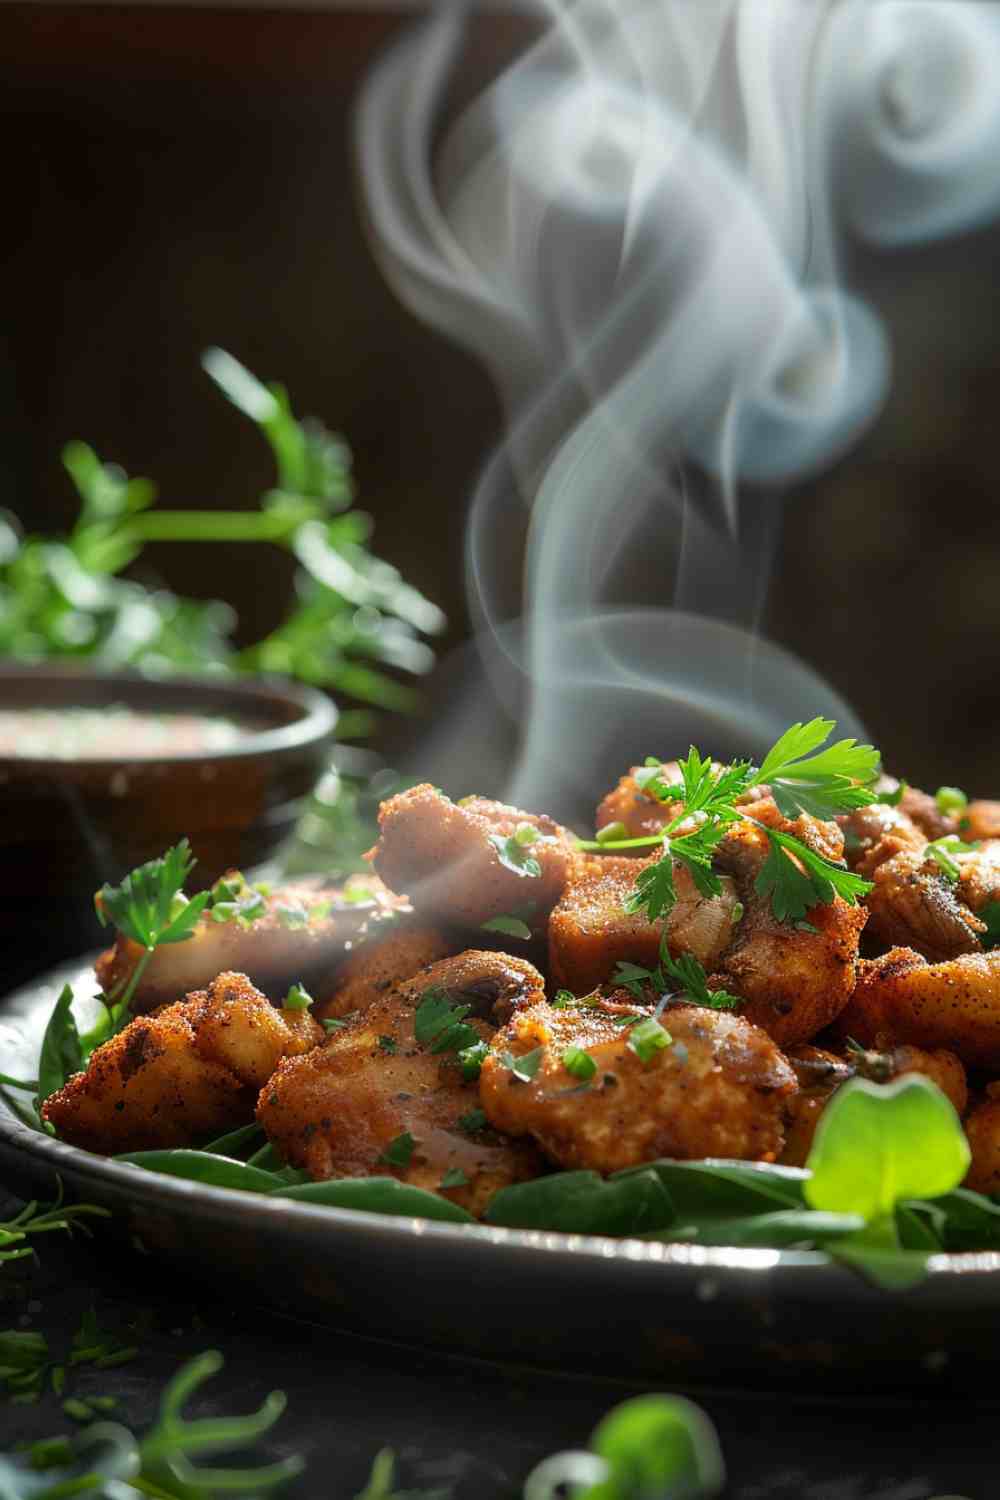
{"x":492,"y":1003}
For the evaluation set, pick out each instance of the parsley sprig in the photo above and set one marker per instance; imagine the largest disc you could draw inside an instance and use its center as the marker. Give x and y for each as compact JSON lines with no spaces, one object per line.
{"x":149,"y":906}
{"x":683,"y":977}
{"x":803,"y":778}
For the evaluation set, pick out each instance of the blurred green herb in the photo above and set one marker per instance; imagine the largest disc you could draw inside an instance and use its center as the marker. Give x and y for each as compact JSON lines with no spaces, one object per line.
{"x":352,"y":617}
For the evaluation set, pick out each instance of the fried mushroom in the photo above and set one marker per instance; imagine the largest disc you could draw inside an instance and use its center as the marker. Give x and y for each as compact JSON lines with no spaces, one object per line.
{"x":190,"y":1071}
{"x":901,"y":998}
{"x":718,"y":1089}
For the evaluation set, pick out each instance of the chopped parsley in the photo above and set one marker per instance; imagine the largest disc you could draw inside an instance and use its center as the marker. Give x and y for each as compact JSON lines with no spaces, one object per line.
{"x":441,"y":1026}
{"x":472,"y":1059}
{"x":399,"y":1152}
{"x":298,"y":998}
{"x":647,"y":1039}
{"x":951,"y":799}
{"x":513,"y":851}
{"x":941,"y":851}
{"x":454,"y":1178}
{"x":688,"y":976}
{"x":472,"y":1122}
{"x":388,"y":1044}
{"x":524,"y":1067}
{"x":580,"y":1063}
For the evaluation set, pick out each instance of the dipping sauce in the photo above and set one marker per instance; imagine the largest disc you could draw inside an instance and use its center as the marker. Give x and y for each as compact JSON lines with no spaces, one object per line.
{"x":113,"y":733}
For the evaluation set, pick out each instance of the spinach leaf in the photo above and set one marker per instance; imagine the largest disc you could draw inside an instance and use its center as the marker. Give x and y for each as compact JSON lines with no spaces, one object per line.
{"x":805,"y":1227}
{"x":204,"y":1166}
{"x":717,"y":1189}
{"x":585,"y":1203}
{"x":377,"y":1195}
{"x":61,"y":1054}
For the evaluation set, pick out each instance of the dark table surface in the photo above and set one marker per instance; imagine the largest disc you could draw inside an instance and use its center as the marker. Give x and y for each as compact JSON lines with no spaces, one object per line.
{"x":476,"y":1426}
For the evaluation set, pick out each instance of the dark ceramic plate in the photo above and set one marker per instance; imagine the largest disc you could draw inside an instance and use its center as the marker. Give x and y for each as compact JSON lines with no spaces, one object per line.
{"x":577,"y":1301}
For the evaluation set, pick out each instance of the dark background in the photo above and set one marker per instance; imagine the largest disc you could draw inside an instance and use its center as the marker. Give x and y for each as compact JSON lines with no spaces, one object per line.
{"x":176,"y":178}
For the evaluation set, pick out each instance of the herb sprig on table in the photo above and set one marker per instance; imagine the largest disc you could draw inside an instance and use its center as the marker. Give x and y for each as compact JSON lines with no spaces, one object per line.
{"x":803,"y":778}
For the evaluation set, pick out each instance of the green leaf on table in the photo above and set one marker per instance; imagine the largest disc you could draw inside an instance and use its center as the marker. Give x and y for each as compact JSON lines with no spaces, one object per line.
{"x":657,"y":1446}
{"x":879,"y":1144}
{"x":585,"y":1203}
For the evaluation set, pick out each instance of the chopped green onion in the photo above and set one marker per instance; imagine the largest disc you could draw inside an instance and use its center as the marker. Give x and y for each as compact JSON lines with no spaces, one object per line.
{"x":578,"y":1062}
{"x":297,"y":998}
{"x":648,"y":1038}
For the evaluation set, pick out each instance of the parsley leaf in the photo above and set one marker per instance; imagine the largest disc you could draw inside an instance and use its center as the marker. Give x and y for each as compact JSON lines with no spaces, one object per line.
{"x":691,"y":976}
{"x":524,"y":1067}
{"x":578,"y":1062}
{"x":513,"y":851}
{"x":509,"y":926}
{"x":454,"y":1178}
{"x":388,"y":1044}
{"x":893,"y":799}
{"x":298,"y":998}
{"x":471,"y":1059}
{"x":142,"y":905}
{"x":472,"y":1122}
{"x":399,"y":1151}
{"x":648,"y":1038}
{"x":797,"y":879}
{"x":440,"y":1025}
{"x":941,"y":850}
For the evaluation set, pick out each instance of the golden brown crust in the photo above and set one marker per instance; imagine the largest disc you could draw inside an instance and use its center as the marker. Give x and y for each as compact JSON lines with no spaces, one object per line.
{"x":980,"y":820}
{"x":375,"y":965}
{"x":901,"y":998}
{"x":718,"y":1090}
{"x":188,"y":1072}
{"x":923,"y":810}
{"x":794,"y":978}
{"x":874,"y":834}
{"x":440,"y":854}
{"x":982,"y":1130}
{"x":590,"y":931}
{"x":914,"y":905}
{"x":336,"y":1111}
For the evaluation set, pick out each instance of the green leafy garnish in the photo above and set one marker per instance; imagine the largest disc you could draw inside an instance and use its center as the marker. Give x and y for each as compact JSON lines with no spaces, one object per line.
{"x":797,"y":879}
{"x":454,"y":1178}
{"x":893,"y":799}
{"x":298,"y":998}
{"x":441,"y":1026}
{"x":803,"y":778}
{"x":471,"y":1060}
{"x":509,"y":926}
{"x":387,"y":1044}
{"x":647,"y":1038}
{"x":951,"y":799}
{"x":399,"y":1152}
{"x":524,"y":1067}
{"x":472,"y":1122}
{"x":578,"y":1062}
{"x":514,"y":851}
{"x":990,"y":914}
{"x":941,"y":851}
{"x":48,"y":1219}
{"x":688,"y":976}
{"x":141,"y":906}
{"x":62,"y":1052}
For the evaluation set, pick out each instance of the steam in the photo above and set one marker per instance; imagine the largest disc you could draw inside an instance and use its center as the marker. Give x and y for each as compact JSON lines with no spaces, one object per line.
{"x":639,"y":229}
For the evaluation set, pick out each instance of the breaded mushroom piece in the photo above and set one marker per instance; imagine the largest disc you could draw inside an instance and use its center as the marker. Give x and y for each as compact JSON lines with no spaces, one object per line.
{"x":339,"y":1111}
{"x":982,"y":1130}
{"x":191,"y":1071}
{"x":795,"y":978}
{"x":590,"y":931}
{"x":448,"y":857}
{"x":718,"y":1089}
{"x":393,"y":954}
{"x":821,"y":1073}
{"x":913,"y":904}
{"x":275,"y":953}
{"x":901,"y":998}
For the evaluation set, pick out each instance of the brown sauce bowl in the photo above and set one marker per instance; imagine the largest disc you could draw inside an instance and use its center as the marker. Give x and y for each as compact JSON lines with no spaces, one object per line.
{"x":67,"y":826}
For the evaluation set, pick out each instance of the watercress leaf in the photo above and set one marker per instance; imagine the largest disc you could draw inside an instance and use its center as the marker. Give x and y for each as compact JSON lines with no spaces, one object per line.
{"x":377,"y":1195}
{"x":585,"y":1203}
{"x":878,"y":1144}
{"x":657,"y":1445}
{"x":203,"y":1166}
{"x":61,"y":1054}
